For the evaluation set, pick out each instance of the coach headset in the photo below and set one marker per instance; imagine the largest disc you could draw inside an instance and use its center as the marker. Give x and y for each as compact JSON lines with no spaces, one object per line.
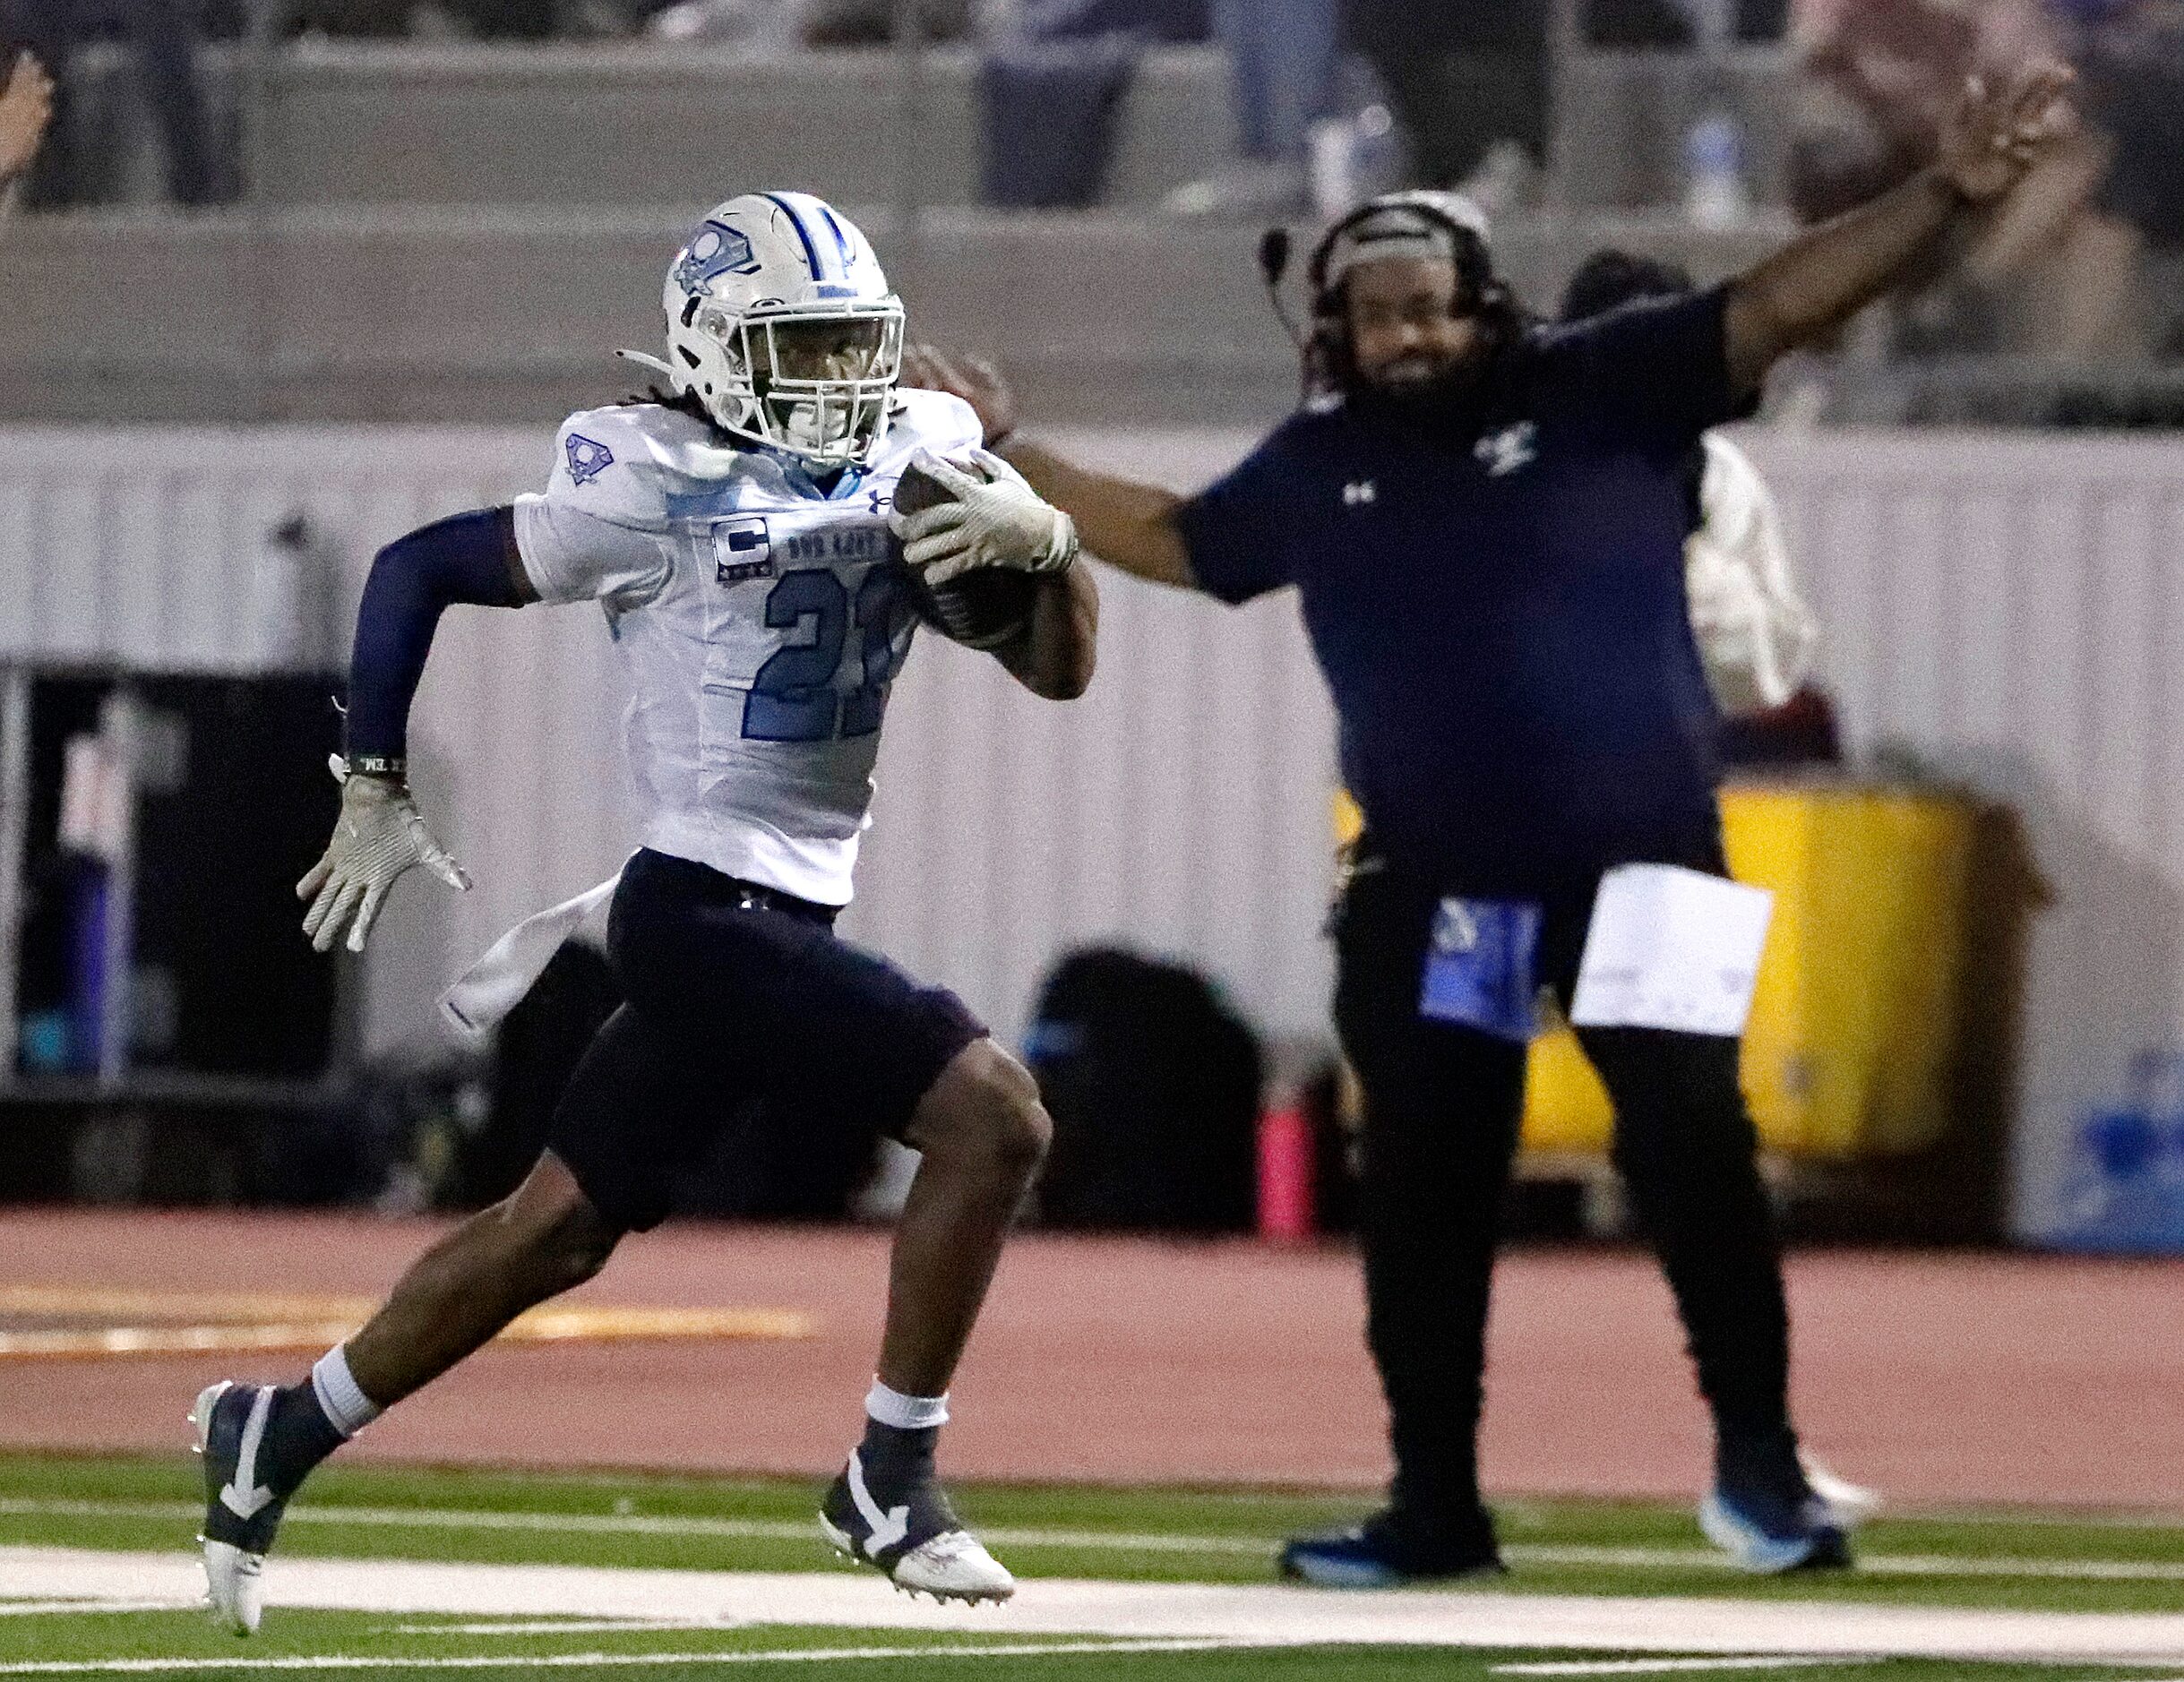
{"x":1327,"y":364}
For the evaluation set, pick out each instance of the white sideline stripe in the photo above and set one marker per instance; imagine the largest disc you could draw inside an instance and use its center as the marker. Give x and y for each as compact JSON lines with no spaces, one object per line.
{"x":631,"y":1525}
{"x":564,"y":1661}
{"x":1253,"y":1547}
{"x":1662,"y":1667}
{"x":1272,"y":1614}
{"x":563,"y":1626}
{"x":1872,"y":1564}
{"x":53,"y":1608}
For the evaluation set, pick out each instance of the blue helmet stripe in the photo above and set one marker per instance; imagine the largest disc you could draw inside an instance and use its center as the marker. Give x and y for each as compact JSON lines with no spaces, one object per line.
{"x":811,"y":251}
{"x":841,"y":240}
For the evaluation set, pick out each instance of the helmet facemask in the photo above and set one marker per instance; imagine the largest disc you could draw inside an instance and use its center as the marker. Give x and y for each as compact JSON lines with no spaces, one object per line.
{"x":814,"y":380}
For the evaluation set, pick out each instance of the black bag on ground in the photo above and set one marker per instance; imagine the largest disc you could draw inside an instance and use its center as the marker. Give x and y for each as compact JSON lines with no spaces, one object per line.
{"x":1153,"y":1087}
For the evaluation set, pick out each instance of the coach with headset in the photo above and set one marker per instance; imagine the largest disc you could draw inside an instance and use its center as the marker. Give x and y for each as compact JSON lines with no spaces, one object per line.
{"x":1485,"y":520}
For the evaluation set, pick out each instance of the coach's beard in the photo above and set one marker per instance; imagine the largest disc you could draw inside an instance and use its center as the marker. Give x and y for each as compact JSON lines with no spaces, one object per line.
{"x":1451,"y":397}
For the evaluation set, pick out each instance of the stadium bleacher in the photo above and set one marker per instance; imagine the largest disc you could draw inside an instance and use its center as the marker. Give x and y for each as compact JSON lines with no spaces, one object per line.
{"x":460,"y":232}
{"x":623,"y":123}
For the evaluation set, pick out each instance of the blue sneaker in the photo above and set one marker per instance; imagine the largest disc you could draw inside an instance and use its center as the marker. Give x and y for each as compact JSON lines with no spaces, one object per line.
{"x":1373,"y":1555}
{"x":1763,"y":1515}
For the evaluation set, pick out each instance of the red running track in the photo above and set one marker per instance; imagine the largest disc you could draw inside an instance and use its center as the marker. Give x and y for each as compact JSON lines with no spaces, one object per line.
{"x":1939,"y":1378}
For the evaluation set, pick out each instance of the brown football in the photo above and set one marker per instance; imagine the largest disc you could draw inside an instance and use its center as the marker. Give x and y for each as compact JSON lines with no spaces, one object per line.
{"x":980,"y":610}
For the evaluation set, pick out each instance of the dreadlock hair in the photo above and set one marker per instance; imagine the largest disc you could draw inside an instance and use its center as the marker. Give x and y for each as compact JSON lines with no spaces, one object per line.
{"x":682,"y":402}
{"x":1329,"y":364}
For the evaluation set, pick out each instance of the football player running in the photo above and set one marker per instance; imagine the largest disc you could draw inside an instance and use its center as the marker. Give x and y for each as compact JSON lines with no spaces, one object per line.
{"x":736,"y":532}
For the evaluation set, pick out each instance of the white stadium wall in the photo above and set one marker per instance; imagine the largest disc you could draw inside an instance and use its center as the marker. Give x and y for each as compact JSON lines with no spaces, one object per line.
{"x":2009,"y":609}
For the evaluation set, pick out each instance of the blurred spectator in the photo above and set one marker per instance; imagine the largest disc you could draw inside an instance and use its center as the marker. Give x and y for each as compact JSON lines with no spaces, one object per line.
{"x":1469,"y":80}
{"x":1674,"y":24}
{"x":2056,"y":274}
{"x":491,"y":20}
{"x":164,"y":33}
{"x":1640,"y":24}
{"x":872,"y":22}
{"x":1283,"y":59}
{"x":1878,"y":78}
{"x":1050,"y":88}
{"x":2131,"y":55}
{"x":1088,"y":19}
{"x":26,"y":107}
{"x":350,"y":17}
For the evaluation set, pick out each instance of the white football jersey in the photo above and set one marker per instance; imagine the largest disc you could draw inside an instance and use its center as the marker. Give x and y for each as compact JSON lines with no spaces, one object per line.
{"x":761,"y":620}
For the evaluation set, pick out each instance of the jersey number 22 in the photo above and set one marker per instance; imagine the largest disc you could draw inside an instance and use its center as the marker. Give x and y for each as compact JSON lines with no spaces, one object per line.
{"x":793,"y":695}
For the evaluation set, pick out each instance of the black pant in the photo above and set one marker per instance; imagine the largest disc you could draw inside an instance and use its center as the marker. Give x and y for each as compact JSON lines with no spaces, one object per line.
{"x":1461,"y":75}
{"x":165,"y":37}
{"x":1442,"y":1108}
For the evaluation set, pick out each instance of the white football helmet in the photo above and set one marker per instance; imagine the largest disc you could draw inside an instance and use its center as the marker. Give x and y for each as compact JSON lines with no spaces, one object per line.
{"x":780,"y":322}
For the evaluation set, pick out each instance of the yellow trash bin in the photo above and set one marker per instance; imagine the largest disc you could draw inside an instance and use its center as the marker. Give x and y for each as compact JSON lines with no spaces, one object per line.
{"x":1855,"y":1022}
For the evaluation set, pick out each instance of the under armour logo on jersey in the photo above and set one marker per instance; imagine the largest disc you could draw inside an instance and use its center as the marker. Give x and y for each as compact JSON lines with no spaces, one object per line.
{"x":1360,"y":493}
{"x":588,"y":458}
{"x":1507,"y":449}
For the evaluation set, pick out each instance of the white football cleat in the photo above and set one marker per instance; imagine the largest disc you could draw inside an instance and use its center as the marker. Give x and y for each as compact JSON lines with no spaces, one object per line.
{"x":916,"y":1542}
{"x":232,"y":1594}
{"x":953,"y":1566}
{"x":241,"y":1515}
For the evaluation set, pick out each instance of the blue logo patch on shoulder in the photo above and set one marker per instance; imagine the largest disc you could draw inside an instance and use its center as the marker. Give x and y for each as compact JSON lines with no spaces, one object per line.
{"x":587,"y":459}
{"x":715,"y":249}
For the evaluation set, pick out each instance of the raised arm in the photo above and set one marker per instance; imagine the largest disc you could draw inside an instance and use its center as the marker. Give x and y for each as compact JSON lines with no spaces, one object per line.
{"x":472,"y":558}
{"x":1823,"y":278}
{"x":1131,"y":527}
{"x":26,"y":107}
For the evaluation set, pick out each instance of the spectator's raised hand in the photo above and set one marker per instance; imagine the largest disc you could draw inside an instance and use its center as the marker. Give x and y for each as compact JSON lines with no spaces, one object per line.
{"x":2000,"y":130}
{"x":26,"y":107}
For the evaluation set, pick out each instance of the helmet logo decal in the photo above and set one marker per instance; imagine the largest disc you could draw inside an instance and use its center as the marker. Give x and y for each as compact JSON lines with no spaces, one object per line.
{"x":587,"y":459}
{"x":715,"y":250}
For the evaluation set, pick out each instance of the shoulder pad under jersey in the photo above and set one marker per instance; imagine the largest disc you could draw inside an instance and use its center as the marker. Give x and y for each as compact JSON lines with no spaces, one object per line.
{"x":631,"y":462}
{"x":933,"y":420}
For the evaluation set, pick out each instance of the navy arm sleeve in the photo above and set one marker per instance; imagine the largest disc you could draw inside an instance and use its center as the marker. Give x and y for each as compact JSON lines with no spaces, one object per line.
{"x":1655,"y":372}
{"x":1238,"y":531}
{"x":414,"y":580}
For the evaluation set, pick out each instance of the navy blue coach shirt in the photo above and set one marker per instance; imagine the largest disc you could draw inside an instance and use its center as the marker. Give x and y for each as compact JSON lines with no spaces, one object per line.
{"x":1501,"y":615}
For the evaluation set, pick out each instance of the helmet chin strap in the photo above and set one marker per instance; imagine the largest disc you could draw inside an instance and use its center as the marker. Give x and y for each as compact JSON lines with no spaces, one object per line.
{"x":644,"y":361}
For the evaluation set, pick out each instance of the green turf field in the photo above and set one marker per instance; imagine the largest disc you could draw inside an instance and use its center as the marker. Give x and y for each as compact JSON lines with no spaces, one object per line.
{"x":2029,"y":1563}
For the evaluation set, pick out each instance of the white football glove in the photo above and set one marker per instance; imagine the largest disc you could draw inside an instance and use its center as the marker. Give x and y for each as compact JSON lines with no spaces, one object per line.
{"x":378,"y":835}
{"x":997,"y":522}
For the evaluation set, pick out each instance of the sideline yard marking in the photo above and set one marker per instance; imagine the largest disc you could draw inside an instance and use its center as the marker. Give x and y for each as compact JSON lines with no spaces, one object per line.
{"x":181,"y":1323}
{"x":564,"y":1661}
{"x":1695,"y":1559}
{"x":55,"y":1609}
{"x":566,"y":1627}
{"x":1660,"y":1667}
{"x":1056,"y":1607}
